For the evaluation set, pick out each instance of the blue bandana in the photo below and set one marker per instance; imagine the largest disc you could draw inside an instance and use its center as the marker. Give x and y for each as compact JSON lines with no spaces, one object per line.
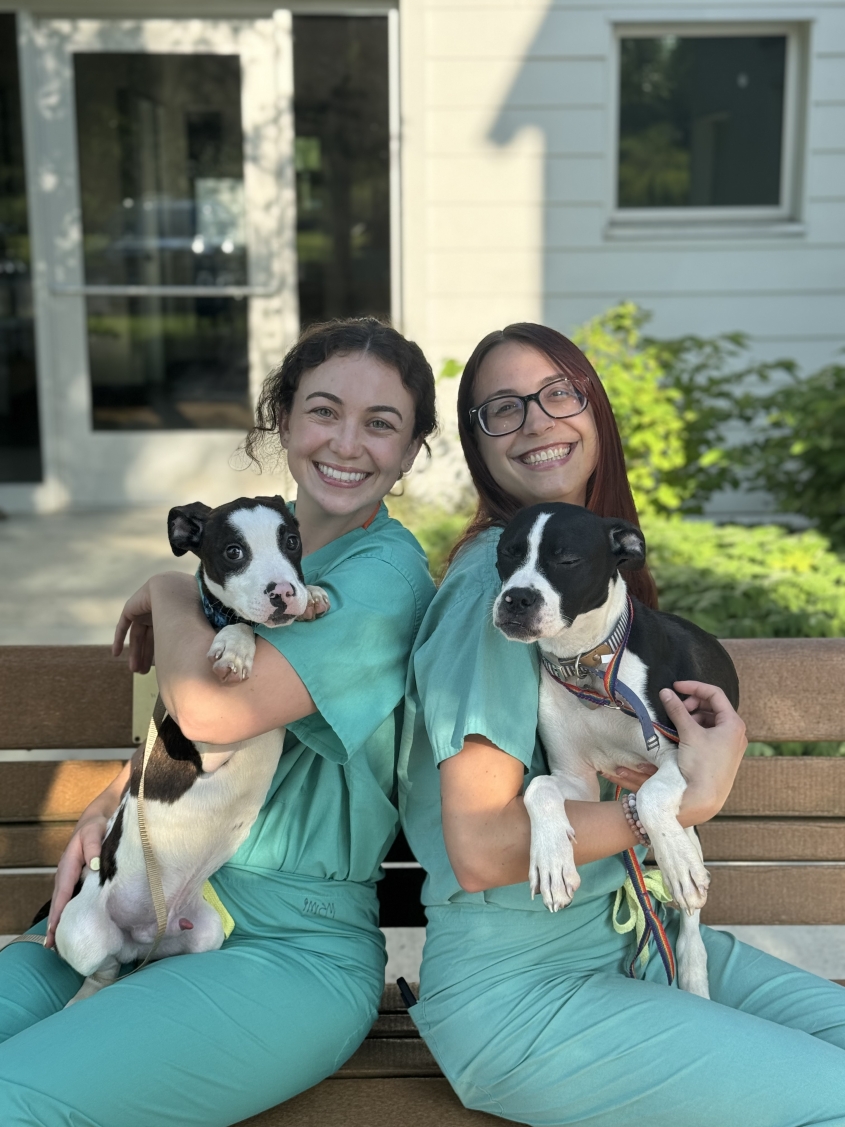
{"x":217,"y":613}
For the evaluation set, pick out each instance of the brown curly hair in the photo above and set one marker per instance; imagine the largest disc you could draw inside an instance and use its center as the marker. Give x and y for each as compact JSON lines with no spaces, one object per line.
{"x":343,"y":337}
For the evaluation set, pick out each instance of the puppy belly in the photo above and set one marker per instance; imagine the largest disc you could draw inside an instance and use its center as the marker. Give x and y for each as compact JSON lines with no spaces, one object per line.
{"x":191,"y":838}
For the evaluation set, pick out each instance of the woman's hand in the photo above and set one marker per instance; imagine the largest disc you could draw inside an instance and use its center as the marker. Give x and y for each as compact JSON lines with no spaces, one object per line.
{"x":711,"y":749}
{"x":83,"y":847}
{"x":137,"y":618}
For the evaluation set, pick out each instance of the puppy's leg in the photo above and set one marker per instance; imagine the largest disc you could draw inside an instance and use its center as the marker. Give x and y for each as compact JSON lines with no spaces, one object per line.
{"x":679,"y":860}
{"x":692,"y":954}
{"x":552,"y":870}
{"x":318,"y":604}
{"x":232,"y":652}
{"x":105,"y":976}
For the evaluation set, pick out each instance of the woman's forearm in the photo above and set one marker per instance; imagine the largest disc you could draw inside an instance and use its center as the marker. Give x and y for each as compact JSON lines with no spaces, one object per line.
{"x":486,"y":826}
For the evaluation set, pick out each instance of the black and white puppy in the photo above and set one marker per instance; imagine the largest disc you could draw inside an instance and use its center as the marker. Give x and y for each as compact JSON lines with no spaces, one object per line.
{"x":200,"y":799}
{"x":562,"y":588}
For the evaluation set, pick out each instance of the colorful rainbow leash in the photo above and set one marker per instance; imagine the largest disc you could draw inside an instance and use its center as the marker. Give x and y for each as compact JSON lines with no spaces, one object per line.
{"x":618,"y":695}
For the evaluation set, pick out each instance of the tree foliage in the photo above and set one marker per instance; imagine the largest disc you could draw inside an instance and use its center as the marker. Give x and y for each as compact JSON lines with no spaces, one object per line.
{"x":801,"y":457}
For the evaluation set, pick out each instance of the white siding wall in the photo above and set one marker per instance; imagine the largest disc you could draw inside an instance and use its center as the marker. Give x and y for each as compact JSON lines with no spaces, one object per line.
{"x":509,"y":135}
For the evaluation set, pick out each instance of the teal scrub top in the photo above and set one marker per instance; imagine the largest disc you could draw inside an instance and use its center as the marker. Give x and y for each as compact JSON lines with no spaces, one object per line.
{"x":329,"y":812}
{"x":465,"y":677}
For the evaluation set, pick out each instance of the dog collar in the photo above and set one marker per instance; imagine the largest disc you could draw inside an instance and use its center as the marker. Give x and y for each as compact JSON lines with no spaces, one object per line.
{"x":217,"y":613}
{"x":594,"y":661}
{"x":613,"y":693}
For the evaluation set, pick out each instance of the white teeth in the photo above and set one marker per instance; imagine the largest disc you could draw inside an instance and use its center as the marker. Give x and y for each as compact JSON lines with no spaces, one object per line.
{"x":546,"y":455}
{"x":340,"y":475}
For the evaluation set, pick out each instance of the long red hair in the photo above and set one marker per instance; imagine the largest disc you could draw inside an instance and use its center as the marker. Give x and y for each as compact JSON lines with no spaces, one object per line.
{"x":608,"y":491}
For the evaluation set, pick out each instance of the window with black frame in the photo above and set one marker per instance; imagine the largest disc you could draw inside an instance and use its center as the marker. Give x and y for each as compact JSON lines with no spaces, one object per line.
{"x":701,"y":121}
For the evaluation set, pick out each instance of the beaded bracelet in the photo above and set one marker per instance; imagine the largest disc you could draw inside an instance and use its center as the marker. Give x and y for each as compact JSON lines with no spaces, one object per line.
{"x":629,"y":809}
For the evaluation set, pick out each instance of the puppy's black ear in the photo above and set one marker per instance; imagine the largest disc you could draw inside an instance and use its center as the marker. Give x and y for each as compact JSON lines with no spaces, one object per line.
{"x":185,"y":525}
{"x":628,"y":545}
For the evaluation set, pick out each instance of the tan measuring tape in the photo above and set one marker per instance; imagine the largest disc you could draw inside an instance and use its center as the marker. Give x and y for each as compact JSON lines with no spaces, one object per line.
{"x":153,"y":871}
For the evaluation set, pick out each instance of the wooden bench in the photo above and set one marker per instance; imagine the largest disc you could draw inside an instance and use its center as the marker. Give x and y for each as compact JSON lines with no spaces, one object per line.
{"x":776,"y":853}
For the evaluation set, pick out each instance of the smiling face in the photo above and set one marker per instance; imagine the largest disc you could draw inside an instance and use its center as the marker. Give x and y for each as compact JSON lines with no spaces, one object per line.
{"x":547,"y":459}
{"x":349,"y":435}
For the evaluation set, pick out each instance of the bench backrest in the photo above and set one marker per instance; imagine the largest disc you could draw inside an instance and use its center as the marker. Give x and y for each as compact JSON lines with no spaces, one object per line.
{"x":777,"y":851}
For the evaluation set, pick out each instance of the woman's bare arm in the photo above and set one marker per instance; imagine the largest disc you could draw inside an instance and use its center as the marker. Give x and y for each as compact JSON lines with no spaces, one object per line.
{"x":486,"y":826}
{"x":206,"y":710}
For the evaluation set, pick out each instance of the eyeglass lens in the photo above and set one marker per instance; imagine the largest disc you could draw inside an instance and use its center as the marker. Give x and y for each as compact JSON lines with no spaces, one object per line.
{"x":506,"y":413}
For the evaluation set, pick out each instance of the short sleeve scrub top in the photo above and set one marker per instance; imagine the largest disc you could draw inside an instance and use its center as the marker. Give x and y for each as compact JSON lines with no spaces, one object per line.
{"x":530,"y":1014}
{"x":216,"y":1037}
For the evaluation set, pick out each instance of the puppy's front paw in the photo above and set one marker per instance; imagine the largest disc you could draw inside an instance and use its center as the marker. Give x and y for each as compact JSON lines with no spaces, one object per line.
{"x":232,"y":653}
{"x":318,"y":604}
{"x":684,"y":875}
{"x":552,"y":872}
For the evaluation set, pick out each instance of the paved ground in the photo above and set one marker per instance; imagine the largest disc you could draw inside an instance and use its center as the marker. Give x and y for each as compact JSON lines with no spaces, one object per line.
{"x":64,"y":578}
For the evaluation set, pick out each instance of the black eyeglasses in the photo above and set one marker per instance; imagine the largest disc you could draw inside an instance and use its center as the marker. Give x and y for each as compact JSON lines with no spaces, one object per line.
{"x":504,"y":414}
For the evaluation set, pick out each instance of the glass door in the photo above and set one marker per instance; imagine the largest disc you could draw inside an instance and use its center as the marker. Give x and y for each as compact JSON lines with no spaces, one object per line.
{"x":165,"y":197}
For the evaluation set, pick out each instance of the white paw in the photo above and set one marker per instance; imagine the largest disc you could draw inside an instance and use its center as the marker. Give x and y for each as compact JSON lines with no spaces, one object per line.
{"x":318,"y":604}
{"x":232,"y":653}
{"x":552,"y":872}
{"x":684,"y":874}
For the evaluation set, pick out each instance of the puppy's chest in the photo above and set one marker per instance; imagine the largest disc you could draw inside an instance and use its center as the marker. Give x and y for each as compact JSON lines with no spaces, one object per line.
{"x":601,"y":736}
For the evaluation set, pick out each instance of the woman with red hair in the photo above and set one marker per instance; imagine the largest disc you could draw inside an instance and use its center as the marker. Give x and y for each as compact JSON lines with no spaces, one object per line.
{"x":530,"y":1014}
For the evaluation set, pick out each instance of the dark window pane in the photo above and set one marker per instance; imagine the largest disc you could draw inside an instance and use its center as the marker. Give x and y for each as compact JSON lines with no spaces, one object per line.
{"x":171,"y":363}
{"x":161,"y":169}
{"x":161,"y":182}
{"x":701,"y":121}
{"x":20,"y":451}
{"x":342,"y":166}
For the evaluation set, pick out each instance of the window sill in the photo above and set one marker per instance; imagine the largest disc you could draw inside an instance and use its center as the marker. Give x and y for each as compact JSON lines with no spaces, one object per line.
{"x":675,"y":229}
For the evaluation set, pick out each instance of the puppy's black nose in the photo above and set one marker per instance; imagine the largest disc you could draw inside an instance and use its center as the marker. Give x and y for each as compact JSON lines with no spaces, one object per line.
{"x":521,"y":599}
{"x":279,"y":593}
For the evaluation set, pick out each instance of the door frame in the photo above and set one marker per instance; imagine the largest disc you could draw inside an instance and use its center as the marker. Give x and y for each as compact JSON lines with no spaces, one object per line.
{"x":84,"y":468}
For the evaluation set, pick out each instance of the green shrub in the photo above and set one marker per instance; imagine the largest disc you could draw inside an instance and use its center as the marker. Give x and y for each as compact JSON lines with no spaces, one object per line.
{"x":437,"y":530}
{"x":673,"y":400}
{"x":801,"y":460}
{"x":739,"y":582}
{"x":646,"y":409}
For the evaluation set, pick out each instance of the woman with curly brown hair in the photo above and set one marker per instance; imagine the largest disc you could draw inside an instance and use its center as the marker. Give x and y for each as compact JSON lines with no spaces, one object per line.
{"x":209,"y":1039}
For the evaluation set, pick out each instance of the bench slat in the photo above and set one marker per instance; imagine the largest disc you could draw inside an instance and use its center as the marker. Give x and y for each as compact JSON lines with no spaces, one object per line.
{"x":388,"y":1056}
{"x":776,"y":894}
{"x":52,"y":792}
{"x":63,"y":696}
{"x":411,"y":1102}
{"x":27,"y":845}
{"x":48,"y":699}
{"x":773,"y":673}
{"x":21,"y":895}
{"x":766,"y":839}
{"x":799,"y":787}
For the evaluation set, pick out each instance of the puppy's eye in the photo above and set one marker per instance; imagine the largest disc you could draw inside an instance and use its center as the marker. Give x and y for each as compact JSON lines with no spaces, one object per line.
{"x":234,"y":552}
{"x":292,"y":543}
{"x":567,"y":561}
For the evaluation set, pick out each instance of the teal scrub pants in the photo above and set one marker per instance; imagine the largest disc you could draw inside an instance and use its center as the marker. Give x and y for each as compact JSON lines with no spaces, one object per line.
{"x":197,"y":1039}
{"x":532,"y":1018}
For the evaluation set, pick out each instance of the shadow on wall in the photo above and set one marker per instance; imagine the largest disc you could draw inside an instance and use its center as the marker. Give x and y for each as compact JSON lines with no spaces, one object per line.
{"x":561,"y":90}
